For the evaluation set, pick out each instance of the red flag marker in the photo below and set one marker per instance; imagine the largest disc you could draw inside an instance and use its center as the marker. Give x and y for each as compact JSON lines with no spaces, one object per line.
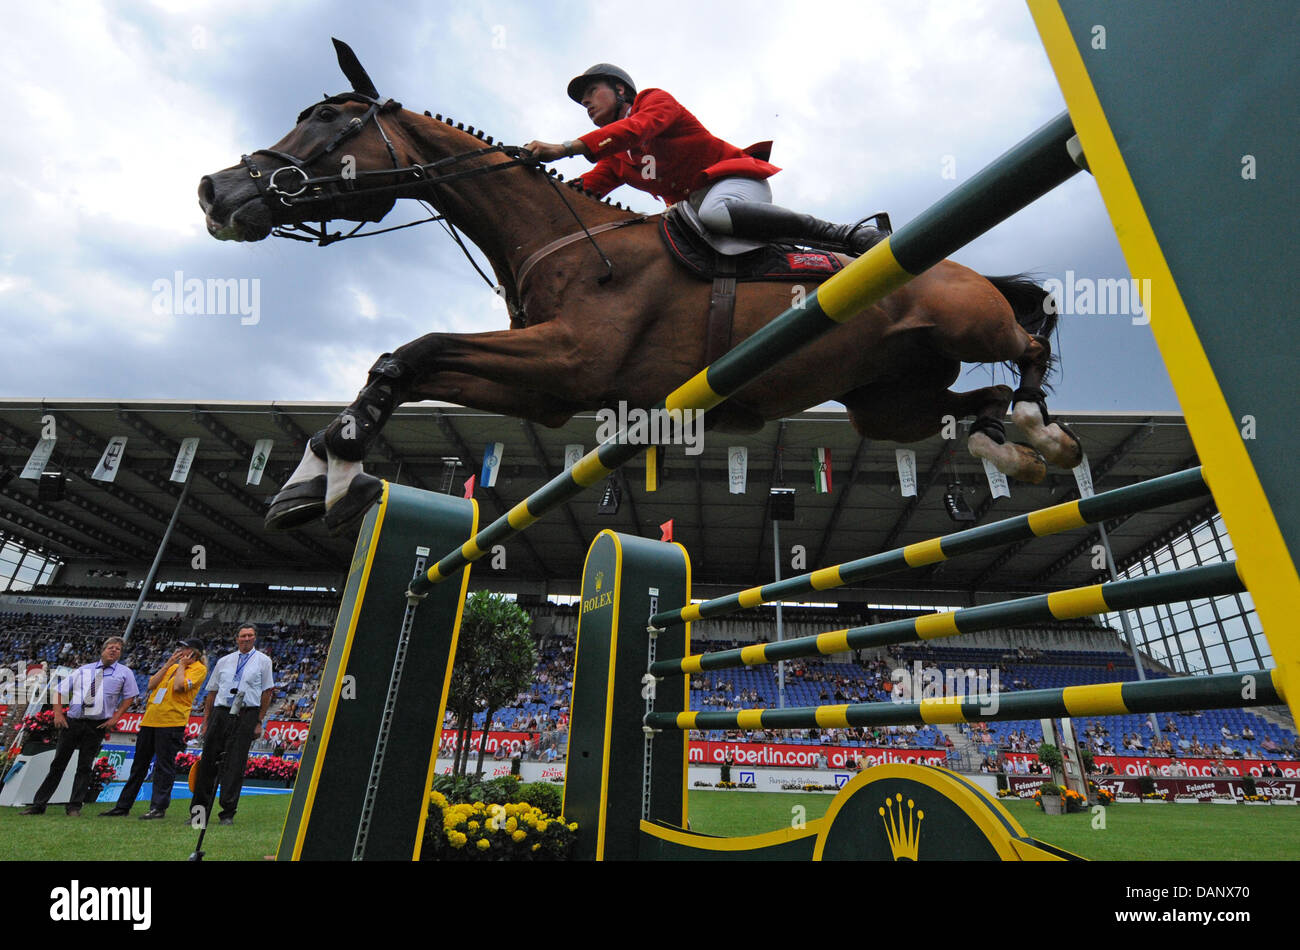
{"x":667,"y":529}
{"x":469,"y":487}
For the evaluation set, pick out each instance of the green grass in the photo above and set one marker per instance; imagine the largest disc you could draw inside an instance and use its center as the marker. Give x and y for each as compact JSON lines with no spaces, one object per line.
{"x":56,"y":837}
{"x":1132,"y":832}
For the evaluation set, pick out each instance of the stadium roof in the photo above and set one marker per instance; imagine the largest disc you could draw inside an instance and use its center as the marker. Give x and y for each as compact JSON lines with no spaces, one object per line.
{"x":728,"y":536}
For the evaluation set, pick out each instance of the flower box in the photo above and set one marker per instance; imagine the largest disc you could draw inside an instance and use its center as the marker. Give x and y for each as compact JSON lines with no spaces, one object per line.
{"x":1186,"y":800}
{"x":1284,"y":801}
{"x":1224,"y":801}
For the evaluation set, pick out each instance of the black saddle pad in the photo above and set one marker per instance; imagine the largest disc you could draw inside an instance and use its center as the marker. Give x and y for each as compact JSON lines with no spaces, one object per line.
{"x":770,"y":262}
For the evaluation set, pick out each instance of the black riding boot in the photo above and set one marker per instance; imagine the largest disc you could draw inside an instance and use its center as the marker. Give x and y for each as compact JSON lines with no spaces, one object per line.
{"x":764,"y":222}
{"x":348,"y":436}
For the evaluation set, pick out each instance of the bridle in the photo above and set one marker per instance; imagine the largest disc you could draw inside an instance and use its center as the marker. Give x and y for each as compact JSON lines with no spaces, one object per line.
{"x":303,"y":190}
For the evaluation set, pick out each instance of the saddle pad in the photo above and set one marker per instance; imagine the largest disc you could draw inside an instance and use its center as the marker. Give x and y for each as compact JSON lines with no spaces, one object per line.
{"x":771,"y":262}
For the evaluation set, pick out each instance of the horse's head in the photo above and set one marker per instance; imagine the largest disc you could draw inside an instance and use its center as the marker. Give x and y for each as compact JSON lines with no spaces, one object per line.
{"x":333,"y":164}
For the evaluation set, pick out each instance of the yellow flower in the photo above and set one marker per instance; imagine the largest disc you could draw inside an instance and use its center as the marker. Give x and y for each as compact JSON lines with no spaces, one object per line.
{"x":492,"y":824}
{"x":484,"y":844}
{"x":573,"y":826}
{"x":519,"y":835}
{"x":438,"y":799}
{"x":473,"y":826}
{"x":511,"y":824}
{"x":536,"y":846}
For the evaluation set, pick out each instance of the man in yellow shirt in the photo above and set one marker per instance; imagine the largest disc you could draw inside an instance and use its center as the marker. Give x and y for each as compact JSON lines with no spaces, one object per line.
{"x":162,"y":730}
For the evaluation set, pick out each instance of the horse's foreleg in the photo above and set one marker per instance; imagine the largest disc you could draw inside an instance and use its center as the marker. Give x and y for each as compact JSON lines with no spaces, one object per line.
{"x":491,"y":396}
{"x":1057,"y":444}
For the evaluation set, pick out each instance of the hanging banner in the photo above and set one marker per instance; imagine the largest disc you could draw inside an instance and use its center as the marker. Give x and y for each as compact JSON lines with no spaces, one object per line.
{"x":572,"y":455}
{"x":39,"y":458}
{"x":469,"y":487}
{"x":822,"y":470}
{"x":998,"y":484}
{"x":1083,"y":477}
{"x":906,"y":460}
{"x":737,"y":469}
{"x":492,"y":453}
{"x":106,"y":470}
{"x":184,"y":460}
{"x":666,"y":530}
{"x":257,"y":465}
{"x":652,"y":468}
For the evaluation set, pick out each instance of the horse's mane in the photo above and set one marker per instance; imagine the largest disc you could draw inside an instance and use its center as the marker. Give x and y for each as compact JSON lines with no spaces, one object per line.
{"x":393,"y":106}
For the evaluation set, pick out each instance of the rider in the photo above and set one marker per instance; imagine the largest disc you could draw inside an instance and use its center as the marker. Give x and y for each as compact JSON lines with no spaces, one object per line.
{"x":647,"y":140}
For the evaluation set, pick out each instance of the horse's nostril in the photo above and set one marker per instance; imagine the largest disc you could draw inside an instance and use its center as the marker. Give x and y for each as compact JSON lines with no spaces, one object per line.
{"x":207,"y":194}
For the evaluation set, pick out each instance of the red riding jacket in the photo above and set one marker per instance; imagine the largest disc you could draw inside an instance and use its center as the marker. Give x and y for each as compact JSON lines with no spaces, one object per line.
{"x":686,"y":157}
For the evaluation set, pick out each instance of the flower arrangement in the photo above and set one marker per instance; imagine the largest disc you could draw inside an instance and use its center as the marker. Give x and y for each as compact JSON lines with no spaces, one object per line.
{"x":703,"y":784}
{"x":101,"y":773}
{"x":1154,"y":797}
{"x":38,"y":728}
{"x":1105,"y":796}
{"x":1255,"y":799}
{"x":271,"y":767}
{"x":725,"y":785}
{"x":1074,"y":801}
{"x":475,"y":831}
{"x":1004,"y":792}
{"x":185,"y":761}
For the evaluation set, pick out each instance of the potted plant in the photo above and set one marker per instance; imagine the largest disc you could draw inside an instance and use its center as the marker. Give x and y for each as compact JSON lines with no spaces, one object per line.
{"x":1050,"y":798}
{"x":38,"y":732}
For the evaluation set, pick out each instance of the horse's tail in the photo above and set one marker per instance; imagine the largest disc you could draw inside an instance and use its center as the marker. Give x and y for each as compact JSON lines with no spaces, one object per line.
{"x":1034,"y":306}
{"x":1035,"y":309}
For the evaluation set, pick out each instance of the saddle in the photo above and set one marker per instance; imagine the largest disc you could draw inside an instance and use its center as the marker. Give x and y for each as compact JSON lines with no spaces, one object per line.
{"x":772,"y":262}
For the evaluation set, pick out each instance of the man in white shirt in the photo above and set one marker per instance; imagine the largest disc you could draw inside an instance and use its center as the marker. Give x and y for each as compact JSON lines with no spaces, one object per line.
{"x":239,"y":694}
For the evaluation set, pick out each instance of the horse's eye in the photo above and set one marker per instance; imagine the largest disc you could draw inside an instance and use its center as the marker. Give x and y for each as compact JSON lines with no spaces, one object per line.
{"x":326,"y":115}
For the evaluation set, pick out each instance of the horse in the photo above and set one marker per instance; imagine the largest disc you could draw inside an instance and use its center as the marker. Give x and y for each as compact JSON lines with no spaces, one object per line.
{"x":595,"y":322}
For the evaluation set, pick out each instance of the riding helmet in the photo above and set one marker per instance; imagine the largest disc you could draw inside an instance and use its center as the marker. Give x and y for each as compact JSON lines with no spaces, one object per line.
{"x":578,"y":85}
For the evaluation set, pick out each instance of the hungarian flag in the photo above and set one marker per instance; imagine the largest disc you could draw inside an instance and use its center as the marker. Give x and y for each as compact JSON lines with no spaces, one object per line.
{"x":822,"y":470}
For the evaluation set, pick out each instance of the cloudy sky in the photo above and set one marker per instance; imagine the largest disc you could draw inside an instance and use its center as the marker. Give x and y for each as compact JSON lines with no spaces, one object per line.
{"x":115,"y":110}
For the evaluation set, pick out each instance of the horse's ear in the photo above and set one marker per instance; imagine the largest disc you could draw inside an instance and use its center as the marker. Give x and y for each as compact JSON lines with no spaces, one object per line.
{"x":353,"y":69}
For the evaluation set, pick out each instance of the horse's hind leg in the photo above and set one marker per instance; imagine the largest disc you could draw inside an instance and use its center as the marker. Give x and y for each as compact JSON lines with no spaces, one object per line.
{"x":1057,"y":444}
{"x":898,"y":413}
{"x":988,"y":436}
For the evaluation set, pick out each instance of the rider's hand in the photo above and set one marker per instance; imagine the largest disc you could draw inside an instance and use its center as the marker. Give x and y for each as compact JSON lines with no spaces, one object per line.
{"x":545,"y":151}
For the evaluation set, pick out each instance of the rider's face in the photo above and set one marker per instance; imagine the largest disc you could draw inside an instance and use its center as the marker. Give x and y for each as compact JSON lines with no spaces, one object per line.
{"x":601,"y":103}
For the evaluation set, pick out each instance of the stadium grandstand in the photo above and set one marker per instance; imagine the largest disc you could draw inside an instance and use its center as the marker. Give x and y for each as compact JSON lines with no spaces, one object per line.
{"x":77,"y":557}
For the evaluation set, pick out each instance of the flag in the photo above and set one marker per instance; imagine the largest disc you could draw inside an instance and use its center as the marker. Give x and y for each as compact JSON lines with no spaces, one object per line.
{"x":257,"y":465}
{"x":652,"y":468}
{"x":1083,"y":478}
{"x":737,"y":469}
{"x":40,"y":456}
{"x":822,"y":470}
{"x":491,"y":464}
{"x":667,"y":529}
{"x":106,"y":470}
{"x":184,"y":459}
{"x":469,"y":487}
{"x":997,"y":481}
{"x":572,"y":455}
{"x":906,"y":461}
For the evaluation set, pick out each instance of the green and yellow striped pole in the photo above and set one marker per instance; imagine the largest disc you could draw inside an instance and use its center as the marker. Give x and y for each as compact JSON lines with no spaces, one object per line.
{"x":1019,"y":177}
{"x":1166,"y":490}
{"x":1211,"y":581}
{"x":1216,"y":691}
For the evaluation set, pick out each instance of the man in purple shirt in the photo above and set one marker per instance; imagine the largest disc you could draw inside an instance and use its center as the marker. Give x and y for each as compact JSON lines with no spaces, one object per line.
{"x":99,"y":693}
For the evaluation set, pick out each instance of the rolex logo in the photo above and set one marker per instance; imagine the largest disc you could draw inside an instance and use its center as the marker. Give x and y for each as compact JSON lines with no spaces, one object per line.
{"x":903,"y":831}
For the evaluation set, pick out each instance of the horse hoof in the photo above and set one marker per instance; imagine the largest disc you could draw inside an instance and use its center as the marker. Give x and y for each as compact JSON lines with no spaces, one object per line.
{"x":1032,"y":469}
{"x":297,"y":505}
{"x":363,"y":492}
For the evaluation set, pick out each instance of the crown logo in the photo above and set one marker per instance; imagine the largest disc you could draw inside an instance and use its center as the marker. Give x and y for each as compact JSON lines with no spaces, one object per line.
{"x":600,"y":579}
{"x":903,"y":831}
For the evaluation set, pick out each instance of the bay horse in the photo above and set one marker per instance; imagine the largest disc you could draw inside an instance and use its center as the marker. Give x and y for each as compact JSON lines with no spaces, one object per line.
{"x":598,"y":321}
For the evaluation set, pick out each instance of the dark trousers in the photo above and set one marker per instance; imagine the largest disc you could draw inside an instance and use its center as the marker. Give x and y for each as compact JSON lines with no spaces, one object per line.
{"x":156,"y":746}
{"x":225,"y":753}
{"x":83,"y":736}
